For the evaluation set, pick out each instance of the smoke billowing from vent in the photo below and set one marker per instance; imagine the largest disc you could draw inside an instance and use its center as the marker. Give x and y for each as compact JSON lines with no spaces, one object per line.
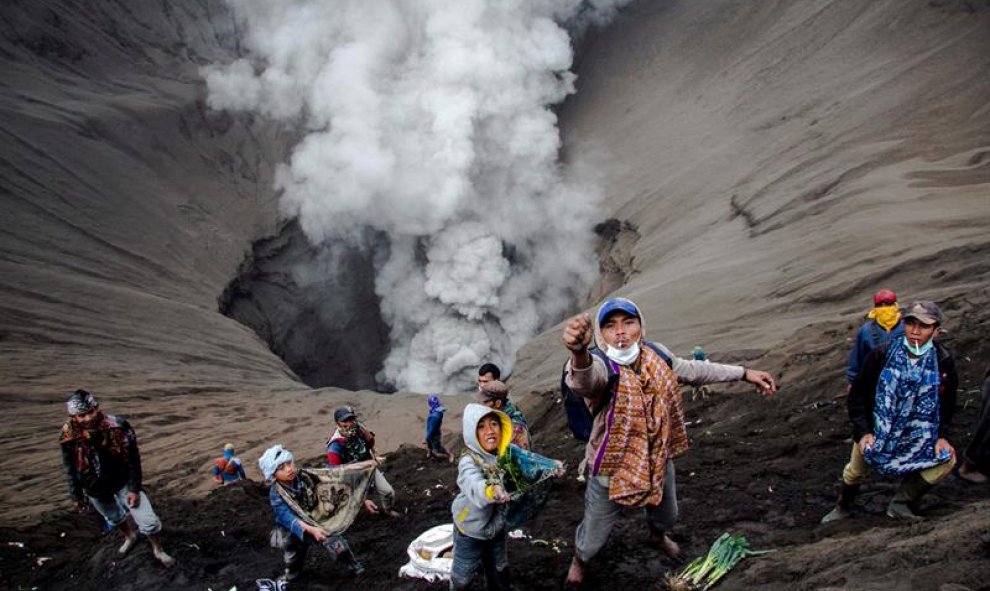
{"x":430,"y":121}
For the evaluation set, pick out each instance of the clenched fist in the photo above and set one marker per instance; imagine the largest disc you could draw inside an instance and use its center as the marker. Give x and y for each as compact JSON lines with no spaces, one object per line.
{"x":577,"y":333}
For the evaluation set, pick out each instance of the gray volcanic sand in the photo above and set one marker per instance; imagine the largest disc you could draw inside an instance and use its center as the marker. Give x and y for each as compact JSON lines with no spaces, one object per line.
{"x":769,"y":164}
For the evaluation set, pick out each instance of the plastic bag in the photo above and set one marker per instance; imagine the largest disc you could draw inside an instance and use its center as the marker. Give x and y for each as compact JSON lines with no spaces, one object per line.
{"x":431,"y":555}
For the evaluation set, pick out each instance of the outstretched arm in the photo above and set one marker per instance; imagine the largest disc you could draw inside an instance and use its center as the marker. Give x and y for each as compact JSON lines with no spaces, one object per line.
{"x":697,"y":373}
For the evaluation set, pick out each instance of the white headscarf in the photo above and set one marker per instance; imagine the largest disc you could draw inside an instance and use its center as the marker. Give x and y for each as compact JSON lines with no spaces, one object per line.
{"x":273,"y":457}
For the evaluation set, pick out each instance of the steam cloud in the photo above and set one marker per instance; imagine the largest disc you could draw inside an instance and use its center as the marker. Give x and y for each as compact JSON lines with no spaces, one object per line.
{"x":429,"y":121}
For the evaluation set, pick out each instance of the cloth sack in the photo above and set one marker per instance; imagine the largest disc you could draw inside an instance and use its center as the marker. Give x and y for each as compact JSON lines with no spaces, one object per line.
{"x":431,"y":555}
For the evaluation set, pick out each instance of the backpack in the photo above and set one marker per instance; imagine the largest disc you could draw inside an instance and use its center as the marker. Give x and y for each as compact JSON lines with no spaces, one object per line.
{"x":579,"y":417}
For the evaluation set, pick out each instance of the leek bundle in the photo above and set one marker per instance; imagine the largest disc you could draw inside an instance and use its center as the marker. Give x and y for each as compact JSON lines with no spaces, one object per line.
{"x":705,"y":571}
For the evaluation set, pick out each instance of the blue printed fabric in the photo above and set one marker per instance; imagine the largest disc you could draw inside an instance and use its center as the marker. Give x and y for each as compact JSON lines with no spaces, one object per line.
{"x":536,"y":470}
{"x":906,"y":414}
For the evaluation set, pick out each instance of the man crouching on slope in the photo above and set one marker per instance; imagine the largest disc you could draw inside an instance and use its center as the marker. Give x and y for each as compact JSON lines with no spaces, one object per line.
{"x":639,"y":427}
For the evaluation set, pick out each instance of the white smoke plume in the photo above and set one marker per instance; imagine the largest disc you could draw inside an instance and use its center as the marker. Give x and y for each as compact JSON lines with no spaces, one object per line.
{"x":430,"y":121}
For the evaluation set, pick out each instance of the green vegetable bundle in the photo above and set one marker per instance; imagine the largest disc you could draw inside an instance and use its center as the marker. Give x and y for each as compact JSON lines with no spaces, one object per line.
{"x":705,"y":571}
{"x":513,"y":479}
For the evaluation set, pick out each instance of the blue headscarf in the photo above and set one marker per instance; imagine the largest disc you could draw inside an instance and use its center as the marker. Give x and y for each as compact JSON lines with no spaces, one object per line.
{"x":435,"y":405}
{"x":906,"y":413}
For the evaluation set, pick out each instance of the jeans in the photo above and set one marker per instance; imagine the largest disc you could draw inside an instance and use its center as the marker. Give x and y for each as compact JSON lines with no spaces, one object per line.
{"x":115,"y":510}
{"x":294,"y":552}
{"x":600,"y":514}
{"x":469,"y":553}
{"x":435,"y":444}
{"x":386,"y":495}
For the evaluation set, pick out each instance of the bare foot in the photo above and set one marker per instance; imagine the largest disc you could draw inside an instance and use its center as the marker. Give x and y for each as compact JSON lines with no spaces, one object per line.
{"x":666,"y":544}
{"x":971,"y":474}
{"x":575,"y":574}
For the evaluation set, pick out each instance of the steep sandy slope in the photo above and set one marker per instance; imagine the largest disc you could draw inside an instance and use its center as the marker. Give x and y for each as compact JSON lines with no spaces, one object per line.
{"x":126,"y":207}
{"x":778,"y":161}
{"x":781,"y":160}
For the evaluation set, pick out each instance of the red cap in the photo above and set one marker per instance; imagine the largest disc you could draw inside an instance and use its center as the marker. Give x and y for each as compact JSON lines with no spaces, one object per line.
{"x":884,"y":297}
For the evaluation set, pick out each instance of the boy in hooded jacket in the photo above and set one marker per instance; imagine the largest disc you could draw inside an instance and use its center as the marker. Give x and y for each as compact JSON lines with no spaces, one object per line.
{"x":480,"y":508}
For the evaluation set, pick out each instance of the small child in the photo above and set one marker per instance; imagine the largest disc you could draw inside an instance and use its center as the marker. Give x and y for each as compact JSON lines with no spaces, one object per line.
{"x":433,"y":435}
{"x":293,"y":534}
{"x":481,"y":507}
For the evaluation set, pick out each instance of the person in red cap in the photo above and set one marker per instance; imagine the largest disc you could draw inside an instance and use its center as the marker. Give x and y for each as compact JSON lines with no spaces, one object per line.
{"x":882,"y":326}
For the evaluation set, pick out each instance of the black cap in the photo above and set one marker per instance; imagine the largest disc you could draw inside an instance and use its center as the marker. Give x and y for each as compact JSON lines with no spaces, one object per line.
{"x":344,"y":413}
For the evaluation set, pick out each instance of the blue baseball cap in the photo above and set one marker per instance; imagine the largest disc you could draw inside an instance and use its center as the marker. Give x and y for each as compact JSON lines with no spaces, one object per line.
{"x":617,"y":305}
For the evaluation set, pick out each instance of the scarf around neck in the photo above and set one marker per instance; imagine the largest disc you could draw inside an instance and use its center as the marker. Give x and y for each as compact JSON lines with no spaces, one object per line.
{"x":906,"y":413}
{"x":108,"y":435}
{"x":886,"y":316}
{"x":644,"y":428}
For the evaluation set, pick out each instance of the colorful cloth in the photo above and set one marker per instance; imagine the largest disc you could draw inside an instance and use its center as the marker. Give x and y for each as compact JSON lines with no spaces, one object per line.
{"x":343,"y":449}
{"x":520,"y":428}
{"x":228,"y":469}
{"x":886,"y":316}
{"x":328,"y":499}
{"x":99,"y":461}
{"x":645,"y":427}
{"x":80,"y":402}
{"x":906,"y":414}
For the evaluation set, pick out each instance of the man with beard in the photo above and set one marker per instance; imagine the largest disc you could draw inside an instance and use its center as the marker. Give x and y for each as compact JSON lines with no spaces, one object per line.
{"x":103,"y":467}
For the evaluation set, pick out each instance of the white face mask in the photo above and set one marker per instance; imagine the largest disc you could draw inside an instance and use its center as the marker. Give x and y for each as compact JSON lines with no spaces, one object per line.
{"x":625,"y":356}
{"x":913,"y":347}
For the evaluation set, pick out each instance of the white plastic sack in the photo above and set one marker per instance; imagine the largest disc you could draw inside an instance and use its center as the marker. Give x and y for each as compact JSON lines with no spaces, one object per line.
{"x":431,"y":555}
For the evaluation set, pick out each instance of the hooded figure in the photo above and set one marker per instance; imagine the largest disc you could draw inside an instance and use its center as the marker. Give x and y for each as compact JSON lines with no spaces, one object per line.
{"x":433,"y":435}
{"x":495,"y":394}
{"x":475,"y":511}
{"x":496,"y":481}
{"x":479,"y":510}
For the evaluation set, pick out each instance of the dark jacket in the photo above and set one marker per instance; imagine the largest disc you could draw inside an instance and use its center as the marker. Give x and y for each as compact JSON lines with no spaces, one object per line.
{"x":863,"y":395}
{"x":870,"y":336}
{"x":348,"y":450}
{"x":104,"y":463}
